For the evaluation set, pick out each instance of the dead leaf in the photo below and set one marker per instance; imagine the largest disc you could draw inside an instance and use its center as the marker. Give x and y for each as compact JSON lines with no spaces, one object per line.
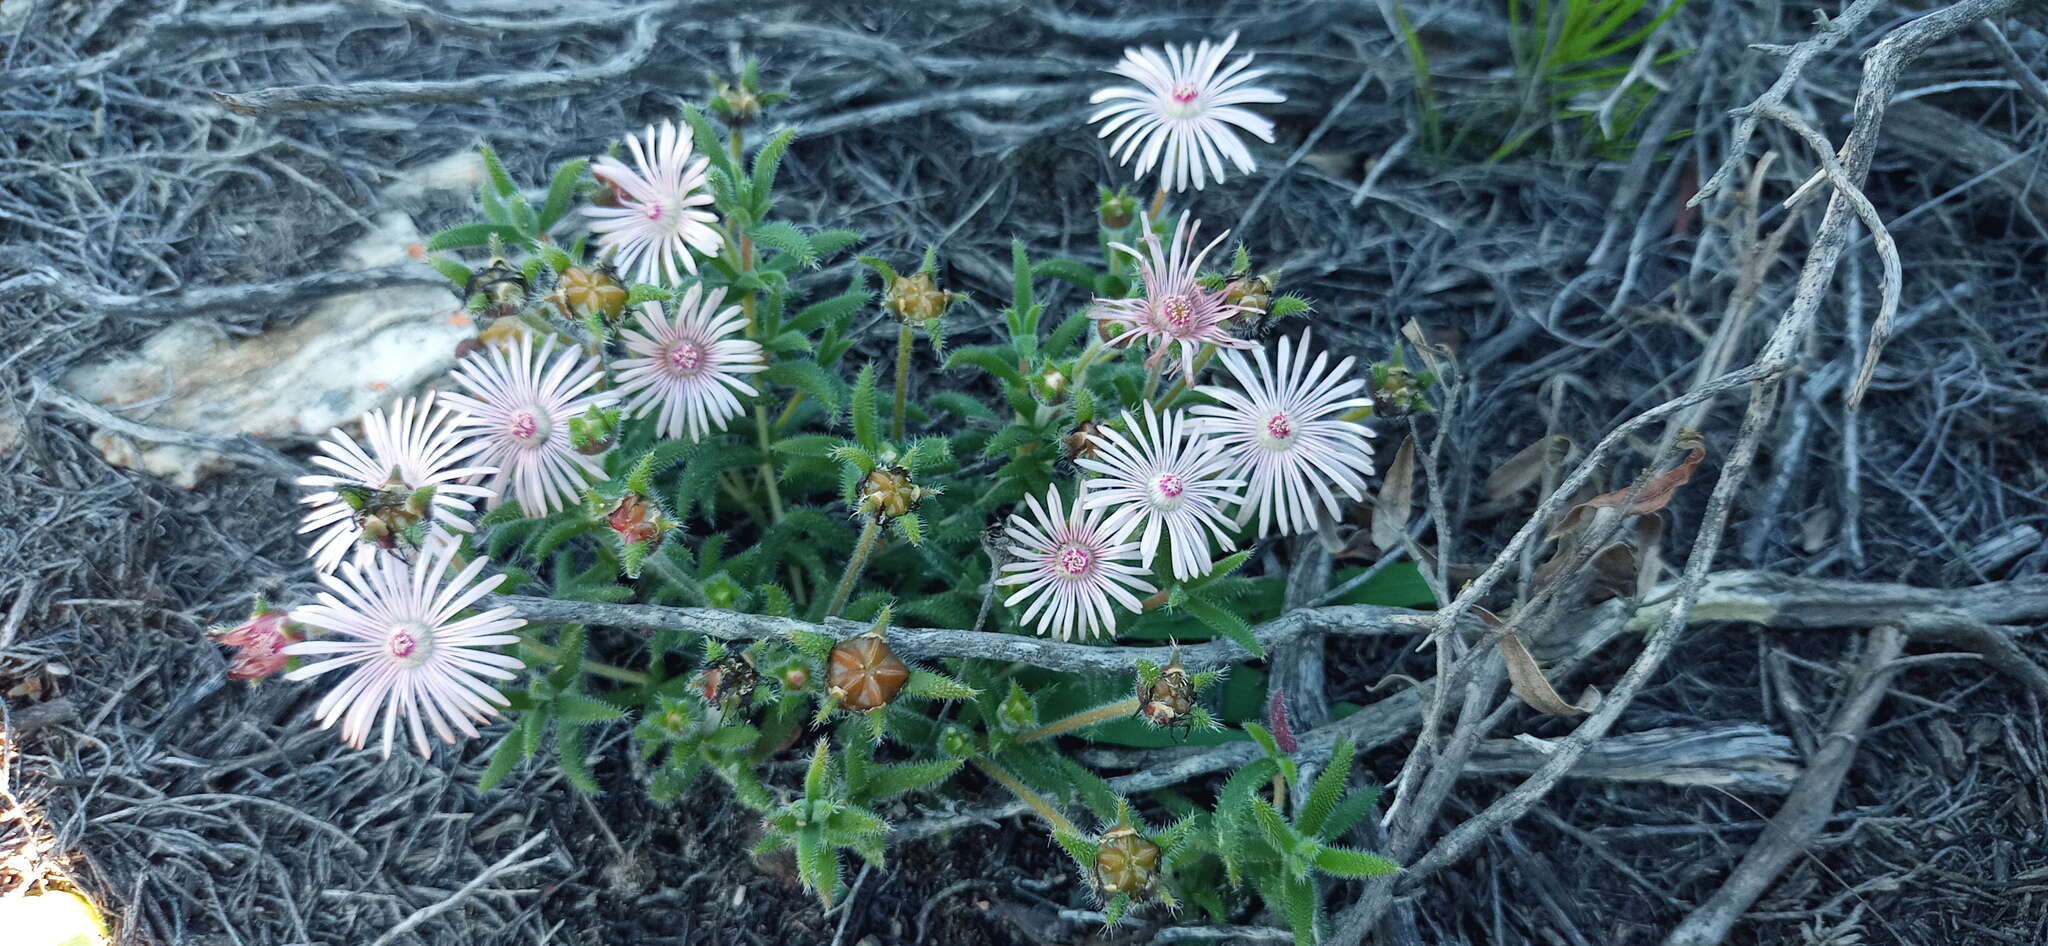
{"x":1525,"y":468}
{"x":1552,"y":568}
{"x":1614,"y":573}
{"x":1526,"y":679}
{"x":1648,"y":497}
{"x":1397,"y":492}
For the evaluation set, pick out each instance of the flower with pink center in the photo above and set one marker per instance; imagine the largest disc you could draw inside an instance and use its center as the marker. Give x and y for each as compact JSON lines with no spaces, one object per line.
{"x":1073,"y":567}
{"x":417,"y":446}
{"x":1175,"y":309}
{"x":1177,"y":484}
{"x":660,"y":217}
{"x":1179,"y":118}
{"x":396,"y":627}
{"x":518,"y":411}
{"x":688,"y":372}
{"x":259,"y":644}
{"x":1284,"y":430}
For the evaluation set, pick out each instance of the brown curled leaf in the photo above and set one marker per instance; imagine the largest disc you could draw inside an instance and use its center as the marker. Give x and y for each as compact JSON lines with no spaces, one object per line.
{"x":1649,"y":496}
{"x":1525,"y":676}
{"x":1397,"y":494}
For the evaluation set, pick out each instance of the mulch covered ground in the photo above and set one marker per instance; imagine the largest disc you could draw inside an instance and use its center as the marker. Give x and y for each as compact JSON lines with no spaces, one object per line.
{"x":1578,"y":293}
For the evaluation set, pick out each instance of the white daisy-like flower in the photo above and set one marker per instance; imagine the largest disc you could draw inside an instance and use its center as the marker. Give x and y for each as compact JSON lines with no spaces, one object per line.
{"x":689,"y":370}
{"x":1172,"y":480}
{"x":1175,"y":309}
{"x":1180,"y":115}
{"x":1286,"y":435}
{"x":1075,"y":566}
{"x":519,"y":415}
{"x":394,"y":624}
{"x":660,"y":216}
{"x":417,"y":446}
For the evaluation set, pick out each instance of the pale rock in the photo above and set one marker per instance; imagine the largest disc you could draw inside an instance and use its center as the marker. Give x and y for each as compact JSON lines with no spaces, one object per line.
{"x":346,"y":356}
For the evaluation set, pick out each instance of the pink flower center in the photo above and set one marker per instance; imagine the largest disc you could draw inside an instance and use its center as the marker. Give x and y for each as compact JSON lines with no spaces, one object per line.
{"x":1177,"y":312}
{"x":1170,"y":486}
{"x":684,"y":359}
{"x":530,"y":428}
{"x":1184,"y":94}
{"x":410,"y":645}
{"x":652,"y":209}
{"x":1073,"y":561}
{"x":1279,"y":433}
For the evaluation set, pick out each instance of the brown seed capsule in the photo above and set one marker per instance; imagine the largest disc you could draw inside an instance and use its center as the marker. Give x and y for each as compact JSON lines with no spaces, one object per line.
{"x":583,"y":290}
{"x":1125,"y":862}
{"x":1171,"y":699}
{"x":1252,"y":292}
{"x":887,"y":493}
{"x":1397,"y":396}
{"x":864,"y":674}
{"x":916,"y":298}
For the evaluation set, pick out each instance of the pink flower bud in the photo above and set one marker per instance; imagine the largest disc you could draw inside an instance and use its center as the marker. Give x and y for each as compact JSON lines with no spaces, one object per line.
{"x":1276,"y":720}
{"x":259,"y":644}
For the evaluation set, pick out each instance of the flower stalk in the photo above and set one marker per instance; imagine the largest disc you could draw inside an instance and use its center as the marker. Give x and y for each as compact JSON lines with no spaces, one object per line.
{"x":1104,"y":713}
{"x":871,"y":528}
{"x":1030,"y":798}
{"x":904,"y":341}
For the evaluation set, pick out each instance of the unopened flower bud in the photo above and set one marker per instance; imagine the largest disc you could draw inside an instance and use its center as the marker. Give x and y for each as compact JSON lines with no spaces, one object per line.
{"x":864,"y":674}
{"x":729,"y":679}
{"x":736,"y":105}
{"x":259,"y":643}
{"x":1125,"y":862}
{"x":1117,"y":208}
{"x":958,"y":743}
{"x":503,"y":287}
{"x":796,"y":677}
{"x":585,"y":291}
{"x":1082,"y":442}
{"x":916,"y":298}
{"x":638,"y":519}
{"x":1017,"y":713}
{"x":1276,"y":722}
{"x":594,"y":432}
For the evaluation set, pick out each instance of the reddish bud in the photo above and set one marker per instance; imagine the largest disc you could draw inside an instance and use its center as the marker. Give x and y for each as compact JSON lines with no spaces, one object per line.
{"x":259,"y":644}
{"x":1276,"y":720}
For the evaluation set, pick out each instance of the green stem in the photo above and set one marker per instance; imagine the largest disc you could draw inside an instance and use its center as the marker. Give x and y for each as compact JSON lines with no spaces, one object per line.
{"x":1024,"y":794}
{"x":767,"y":463}
{"x":854,"y":566}
{"x":789,"y":410}
{"x":903,"y":343}
{"x":549,"y":654}
{"x":1152,"y":370}
{"x":1180,"y":383}
{"x":1120,"y":708}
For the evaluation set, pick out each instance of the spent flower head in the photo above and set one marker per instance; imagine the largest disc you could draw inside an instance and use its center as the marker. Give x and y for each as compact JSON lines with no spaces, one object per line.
{"x":416,"y":448}
{"x":688,"y":367}
{"x":1283,"y":428}
{"x":1175,"y":309}
{"x":1169,"y":479}
{"x":395,"y":627}
{"x":1180,"y":116}
{"x":518,"y":410}
{"x":1074,"y":566}
{"x":660,"y":217}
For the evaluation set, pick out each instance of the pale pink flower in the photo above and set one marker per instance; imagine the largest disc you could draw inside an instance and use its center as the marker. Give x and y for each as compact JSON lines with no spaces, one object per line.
{"x":520,"y":415}
{"x":1173,"y":482}
{"x":394,"y":624}
{"x":1286,"y":434}
{"x":1075,"y":566}
{"x":658,"y":220}
{"x":1179,"y":116}
{"x":416,"y":447}
{"x":689,"y":371}
{"x":1175,"y":309}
